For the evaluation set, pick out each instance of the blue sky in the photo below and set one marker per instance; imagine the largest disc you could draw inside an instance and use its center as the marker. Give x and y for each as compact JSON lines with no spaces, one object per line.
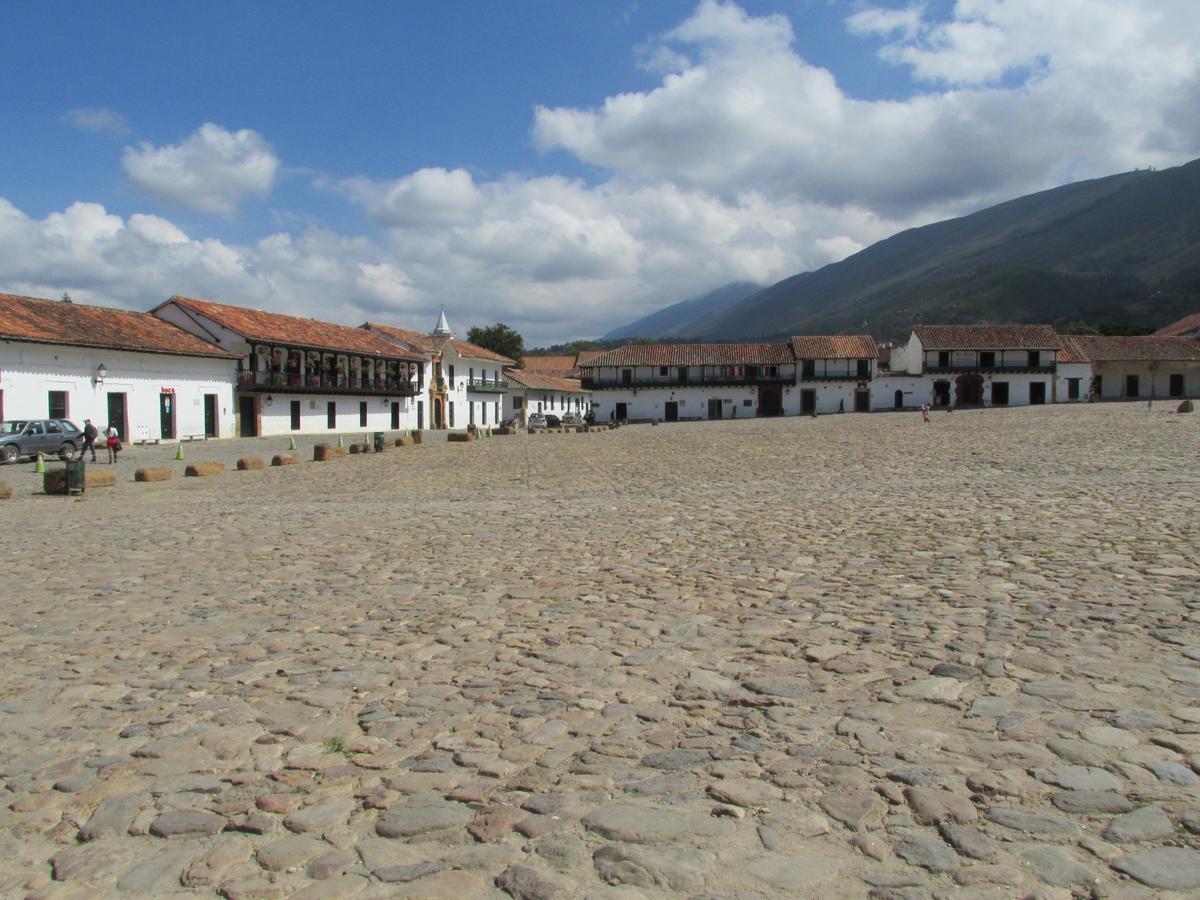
{"x":563,"y":167}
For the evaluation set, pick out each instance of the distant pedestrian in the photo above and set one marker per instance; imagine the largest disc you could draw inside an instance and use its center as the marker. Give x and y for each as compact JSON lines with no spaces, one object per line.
{"x":842,"y":405}
{"x":112,"y":440}
{"x":925,"y":413}
{"x":90,"y":433}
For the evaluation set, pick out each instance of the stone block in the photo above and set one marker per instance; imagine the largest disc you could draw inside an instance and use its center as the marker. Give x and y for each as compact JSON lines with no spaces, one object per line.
{"x":203,"y":470}
{"x":1185,"y":407}
{"x":54,"y":481}
{"x":416,"y":437}
{"x":285,"y":459}
{"x":250,"y":463}
{"x":5,"y":490}
{"x":152,"y":473}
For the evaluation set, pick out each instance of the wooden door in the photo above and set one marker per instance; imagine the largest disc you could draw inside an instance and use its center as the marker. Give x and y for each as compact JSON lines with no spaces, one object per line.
{"x":116,"y":415}
{"x":671,"y":411}
{"x":808,"y":402}
{"x":247,"y":416}
{"x":166,"y":416}
{"x":714,"y":408}
{"x":1037,"y":393}
{"x":210,"y":415}
{"x":862,"y":401}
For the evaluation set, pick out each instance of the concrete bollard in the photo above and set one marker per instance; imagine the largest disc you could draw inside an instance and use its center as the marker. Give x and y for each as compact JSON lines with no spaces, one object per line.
{"x":250,"y":463}
{"x":152,"y":473}
{"x":55,"y":480}
{"x":285,"y":459}
{"x":460,"y":437}
{"x":203,"y":470}
{"x":5,"y":490}
{"x":323,"y":452}
{"x":404,"y":442}
{"x":416,"y":437}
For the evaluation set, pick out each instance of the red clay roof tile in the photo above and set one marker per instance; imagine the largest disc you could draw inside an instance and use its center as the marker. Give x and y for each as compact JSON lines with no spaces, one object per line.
{"x":77,"y":325}
{"x":693,"y":355}
{"x":1184,"y":326}
{"x":987,"y":337}
{"x":543,"y":382}
{"x":1154,"y":348}
{"x":835,"y":346}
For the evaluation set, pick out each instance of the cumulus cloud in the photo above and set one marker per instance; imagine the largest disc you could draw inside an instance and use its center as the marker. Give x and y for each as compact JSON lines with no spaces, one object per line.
{"x":99,"y":119}
{"x":1036,"y":94}
{"x":211,"y":171}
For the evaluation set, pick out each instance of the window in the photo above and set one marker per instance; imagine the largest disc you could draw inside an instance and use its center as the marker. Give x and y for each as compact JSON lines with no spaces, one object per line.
{"x":1072,"y":388}
{"x":1035,"y":359}
{"x":943,"y":359}
{"x":452,"y":376}
{"x":482,"y":413}
{"x":627,"y":376}
{"x":771,"y":371}
{"x":747,"y":402}
{"x":864,"y":368}
{"x":295,"y":415}
{"x":662,"y":371}
{"x":470,"y":374}
{"x":58,"y":404}
{"x":683,"y":373}
{"x":362,"y":414}
{"x":53,"y":427}
{"x":450,"y":404}
{"x":987,"y":359}
{"x":331,"y":414}
{"x":808,"y":369}
{"x":518,"y":402}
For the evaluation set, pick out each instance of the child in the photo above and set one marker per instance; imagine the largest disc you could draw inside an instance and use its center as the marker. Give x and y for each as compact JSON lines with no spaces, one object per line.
{"x":112,"y":442}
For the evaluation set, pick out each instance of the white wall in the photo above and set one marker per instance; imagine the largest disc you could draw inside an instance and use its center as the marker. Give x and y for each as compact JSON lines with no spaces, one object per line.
{"x":28,"y":372}
{"x":1154,"y":383}
{"x":916,"y":391}
{"x":831,"y":396}
{"x":648,"y":403}
{"x":276,"y":419}
{"x":1082,"y":371}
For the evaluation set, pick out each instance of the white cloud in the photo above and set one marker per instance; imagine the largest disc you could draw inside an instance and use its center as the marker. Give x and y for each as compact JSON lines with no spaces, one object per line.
{"x":1039,"y":94}
{"x":211,"y":171}
{"x":99,"y":119}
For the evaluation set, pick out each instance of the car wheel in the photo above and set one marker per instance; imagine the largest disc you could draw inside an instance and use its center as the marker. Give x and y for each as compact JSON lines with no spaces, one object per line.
{"x":66,"y":452}
{"x":9,"y":453}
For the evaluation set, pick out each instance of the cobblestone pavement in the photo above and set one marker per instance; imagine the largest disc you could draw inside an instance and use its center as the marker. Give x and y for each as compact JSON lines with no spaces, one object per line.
{"x":838,"y":657}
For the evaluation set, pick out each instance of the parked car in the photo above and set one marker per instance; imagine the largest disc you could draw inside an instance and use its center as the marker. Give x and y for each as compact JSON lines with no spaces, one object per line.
{"x":537,"y":420}
{"x":572,"y":420}
{"x":552,"y":421}
{"x":28,"y":437}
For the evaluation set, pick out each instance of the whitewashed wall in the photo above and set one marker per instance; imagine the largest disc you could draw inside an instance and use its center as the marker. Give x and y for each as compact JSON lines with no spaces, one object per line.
{"x":648,"y":403}
{"x":916,"y":391}
{"x":1066,"y":371}
{"x":28,"y":372}
{"x":1154,"y":383}
{"x":276,"y":419}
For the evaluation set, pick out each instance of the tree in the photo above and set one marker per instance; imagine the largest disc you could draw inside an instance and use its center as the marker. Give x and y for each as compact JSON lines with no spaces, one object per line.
{"x":499,"y":338}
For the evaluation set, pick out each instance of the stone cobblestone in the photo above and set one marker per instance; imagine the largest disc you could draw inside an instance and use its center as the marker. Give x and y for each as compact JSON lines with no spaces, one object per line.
{"x":837,"y":657}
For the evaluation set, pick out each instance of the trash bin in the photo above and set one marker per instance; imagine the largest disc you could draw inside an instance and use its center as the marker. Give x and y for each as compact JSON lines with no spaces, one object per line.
{"x":74,"y":482}
{"x":379,"y":442}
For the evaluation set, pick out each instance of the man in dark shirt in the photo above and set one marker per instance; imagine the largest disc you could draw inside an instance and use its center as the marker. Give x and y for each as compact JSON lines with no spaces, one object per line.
{"x":90,"y":433}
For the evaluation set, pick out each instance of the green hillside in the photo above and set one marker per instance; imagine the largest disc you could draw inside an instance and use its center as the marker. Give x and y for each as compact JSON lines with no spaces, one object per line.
{"x":1122,"y":249}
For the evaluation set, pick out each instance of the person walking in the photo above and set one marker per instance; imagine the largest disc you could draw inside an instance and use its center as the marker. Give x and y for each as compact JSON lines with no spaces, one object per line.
{"x":112,"y":440}
{"x":90,"y":433}
{"x":925,"y":413}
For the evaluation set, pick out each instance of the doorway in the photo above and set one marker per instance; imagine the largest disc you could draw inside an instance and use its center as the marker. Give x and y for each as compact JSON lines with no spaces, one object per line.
{"x":770,"y":400}
{"x":714,"y":408}
{"x":1000,"y":393}
{"x":941,"y":393}
{"x":420,"y":415}
{"x":331,"y":414}
{"x":968,"y":390}
{"x":295,"y":415}
{"x":862,"y":401}
{"x":1175,"y":387}
{"x":247,"y":416}
{"x":898,"y":400}
{"x":622,"y":412}
{"x":808,"y":402}
{"x":395,"y":415}
{"x":1131,"y":386}
{"x":1037,"y":393}
{"x":166,"y":416}
{"x":210,"y":416}
{"x":671,"y":411}
{"x":116,"y":415}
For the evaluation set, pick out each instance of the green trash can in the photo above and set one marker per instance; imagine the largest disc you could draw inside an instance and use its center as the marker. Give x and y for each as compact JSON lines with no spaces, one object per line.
{"x":74,"y":482}
{"x":379,"y":442}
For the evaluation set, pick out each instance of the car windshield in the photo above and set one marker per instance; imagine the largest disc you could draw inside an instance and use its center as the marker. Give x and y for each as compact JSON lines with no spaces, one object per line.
{"x":13,"y":426}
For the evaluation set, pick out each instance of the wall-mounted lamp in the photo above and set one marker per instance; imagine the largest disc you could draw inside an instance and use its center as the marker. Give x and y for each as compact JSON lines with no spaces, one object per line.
{"x":101,"y":371}
{"x":269,"y":400}
{"x":385,"y":401}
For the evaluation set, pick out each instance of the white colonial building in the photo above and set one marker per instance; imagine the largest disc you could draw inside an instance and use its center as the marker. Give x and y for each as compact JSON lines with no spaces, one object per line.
{"x":672,"y":382}
{"x":298,"y":375}
{"x":1132,"y":368}
{"x":146,"y":377}
{"x":466,"y":381}
{"x":534,"y":392}
{"x":979,"y":365}
{"x":834,"y":374}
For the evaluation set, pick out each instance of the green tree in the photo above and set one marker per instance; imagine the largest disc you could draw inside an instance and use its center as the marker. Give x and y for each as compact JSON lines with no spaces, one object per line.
{"x":499,"y":338}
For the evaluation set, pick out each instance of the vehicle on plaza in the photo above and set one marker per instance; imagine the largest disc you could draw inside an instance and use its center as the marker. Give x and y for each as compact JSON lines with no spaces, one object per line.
{"x":537,"y":420}
{"x":552,"y":421}
{"x":29,"y":437}
{"x":572,"y":420}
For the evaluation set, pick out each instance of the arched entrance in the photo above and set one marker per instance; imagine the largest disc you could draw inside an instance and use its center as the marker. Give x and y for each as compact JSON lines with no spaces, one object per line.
{"x":968,"y":390}
{"x":770,"y":400}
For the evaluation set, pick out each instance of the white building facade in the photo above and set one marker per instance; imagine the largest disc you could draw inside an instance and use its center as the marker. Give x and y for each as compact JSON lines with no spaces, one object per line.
{"x":834,"y":374}
{"x":532,"y":392}
{"x":1152,"y":367}
{"x":300,"y":376}
{"x":678,"y":382}
{"x":980,"y":365}
{"x":145,"y":377}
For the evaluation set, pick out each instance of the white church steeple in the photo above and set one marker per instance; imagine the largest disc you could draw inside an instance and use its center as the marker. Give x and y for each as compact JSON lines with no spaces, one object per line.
{"x":442,"y":327}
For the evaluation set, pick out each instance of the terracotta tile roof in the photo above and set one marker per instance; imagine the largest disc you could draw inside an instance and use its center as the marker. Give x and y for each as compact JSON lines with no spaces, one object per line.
{"x":837,"y":346}
{"x":987,"y":337}
{"x":585,"y":355}
{"x":554,"y":366}
{"x":1152,"y":348}
{"x":542,"y":382}
{"x":1070,"y":352}
{"x":77,"y":325}
{"x":435,"y":343}
{"x":1185,"y":325}
{"x":257,"y":325}
{"x":694,"y":355}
